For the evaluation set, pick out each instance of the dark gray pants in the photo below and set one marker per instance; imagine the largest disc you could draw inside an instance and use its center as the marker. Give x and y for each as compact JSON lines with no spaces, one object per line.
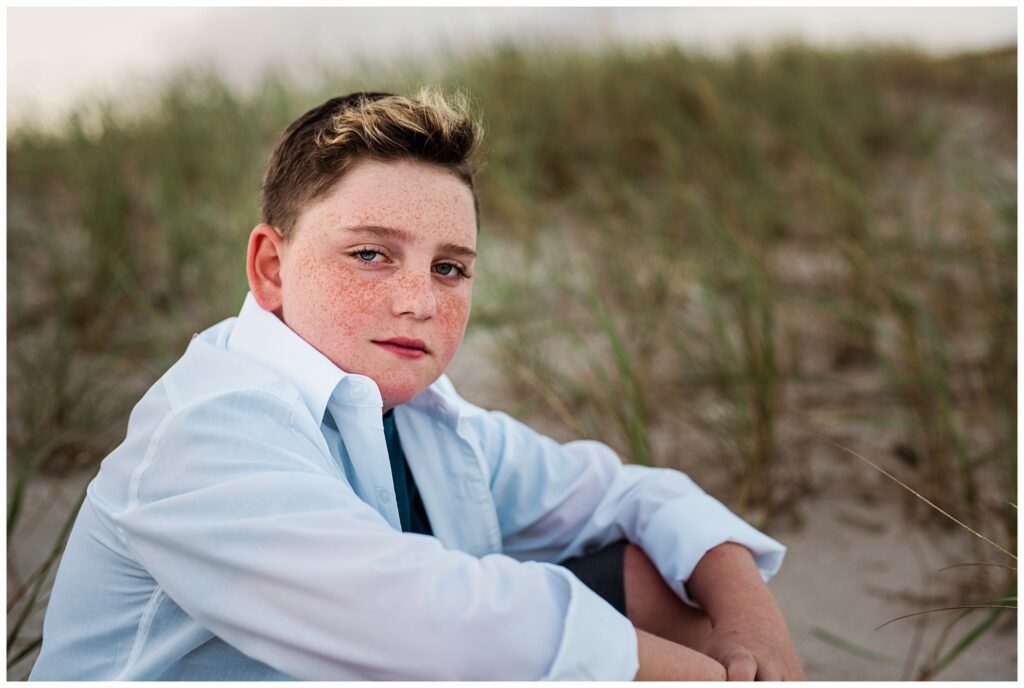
{"x":601,"y":571}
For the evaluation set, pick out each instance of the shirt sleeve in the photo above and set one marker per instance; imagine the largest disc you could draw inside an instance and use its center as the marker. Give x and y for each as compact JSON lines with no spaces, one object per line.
{"x":247,"y":524}
{"x":557,"y":501}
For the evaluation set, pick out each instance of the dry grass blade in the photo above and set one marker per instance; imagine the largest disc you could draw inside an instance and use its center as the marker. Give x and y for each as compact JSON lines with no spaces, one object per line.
{"x":1001,"y":566}
{"x":947,"y":609}
{"x":917,"y":494}
{"x":553,"y":400}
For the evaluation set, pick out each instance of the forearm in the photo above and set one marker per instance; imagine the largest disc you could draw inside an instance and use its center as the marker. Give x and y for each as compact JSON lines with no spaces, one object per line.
{"x":663,"y":660}
{"x":748,"y":632}
{"x":728,"y":585}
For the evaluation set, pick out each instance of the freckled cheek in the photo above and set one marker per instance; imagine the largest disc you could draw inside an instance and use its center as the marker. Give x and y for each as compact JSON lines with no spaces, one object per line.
{"x":311,"y":284}
{"x":452,"y":317}
{"x":334,"y":309}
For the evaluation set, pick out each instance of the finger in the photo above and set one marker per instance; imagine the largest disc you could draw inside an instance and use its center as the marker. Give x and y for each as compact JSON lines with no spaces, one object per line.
{"x":795,"y":673}
{"x":768,"y":673}
{"x":741,"y":668}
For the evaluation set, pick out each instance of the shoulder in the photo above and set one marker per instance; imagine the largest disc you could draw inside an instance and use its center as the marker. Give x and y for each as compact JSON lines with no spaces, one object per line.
{"x":214,"y":440}
{"x":211,"y":417}
{"x":213,"y":391}
{"x":216,"y":396}
{"x":208,"y":369}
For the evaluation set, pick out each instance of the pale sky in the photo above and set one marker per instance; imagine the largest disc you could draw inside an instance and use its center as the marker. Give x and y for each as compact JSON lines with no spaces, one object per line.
{"x":56,"y":56}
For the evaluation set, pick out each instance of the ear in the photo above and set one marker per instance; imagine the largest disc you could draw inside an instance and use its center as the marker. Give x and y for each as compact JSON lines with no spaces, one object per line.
{"x":263,"y":266}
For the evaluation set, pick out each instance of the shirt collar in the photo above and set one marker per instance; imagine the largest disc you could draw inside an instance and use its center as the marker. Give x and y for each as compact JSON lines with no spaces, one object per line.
{"x":439,"y":400}
{"x":261,"y":336}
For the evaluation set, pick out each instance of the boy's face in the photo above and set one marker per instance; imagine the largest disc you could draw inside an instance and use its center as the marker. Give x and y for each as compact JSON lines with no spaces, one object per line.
{"x":374,"y":276}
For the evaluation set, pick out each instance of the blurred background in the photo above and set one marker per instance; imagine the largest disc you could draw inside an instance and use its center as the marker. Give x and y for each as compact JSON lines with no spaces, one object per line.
{"x":773,"y":248}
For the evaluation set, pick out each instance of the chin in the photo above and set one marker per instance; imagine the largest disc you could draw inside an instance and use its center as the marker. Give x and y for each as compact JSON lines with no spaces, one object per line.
{"x":396,"y":395}
{"x":401,"y":384}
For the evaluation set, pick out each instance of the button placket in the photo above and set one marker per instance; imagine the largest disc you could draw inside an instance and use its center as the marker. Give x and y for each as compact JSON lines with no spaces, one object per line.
{"x":358,"y":416}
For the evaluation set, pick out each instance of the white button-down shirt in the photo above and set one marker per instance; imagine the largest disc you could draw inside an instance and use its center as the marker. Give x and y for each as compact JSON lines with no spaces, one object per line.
{"x":246,"y":528}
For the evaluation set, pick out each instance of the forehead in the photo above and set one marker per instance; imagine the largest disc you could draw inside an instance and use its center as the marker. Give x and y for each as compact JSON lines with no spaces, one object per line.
{"x":426,"y":200}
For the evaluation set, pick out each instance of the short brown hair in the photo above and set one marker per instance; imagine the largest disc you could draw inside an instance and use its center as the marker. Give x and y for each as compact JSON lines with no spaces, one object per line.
{"x":318,"y":148}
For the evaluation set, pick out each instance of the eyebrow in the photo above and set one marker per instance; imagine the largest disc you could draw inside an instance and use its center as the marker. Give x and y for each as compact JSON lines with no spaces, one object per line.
{"x":408,"y":237}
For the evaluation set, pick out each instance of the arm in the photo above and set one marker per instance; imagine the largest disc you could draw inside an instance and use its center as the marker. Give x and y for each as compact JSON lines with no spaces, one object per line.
{"x":254,"y":533}
{"x":749,"y":635}
{"x":556,"y":501}
{"x":663,"y":660}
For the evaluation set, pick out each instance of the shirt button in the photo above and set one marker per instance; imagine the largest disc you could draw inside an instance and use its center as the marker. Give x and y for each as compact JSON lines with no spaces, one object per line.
{"x":384,"y":496}
{"x":358,"y":389}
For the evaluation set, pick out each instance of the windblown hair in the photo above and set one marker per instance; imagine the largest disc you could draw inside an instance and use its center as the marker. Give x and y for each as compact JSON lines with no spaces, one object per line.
{"x":318,"y":148}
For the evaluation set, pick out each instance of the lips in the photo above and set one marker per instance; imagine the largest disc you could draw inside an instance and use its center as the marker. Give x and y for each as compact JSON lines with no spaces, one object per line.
{"x":403,"y":346}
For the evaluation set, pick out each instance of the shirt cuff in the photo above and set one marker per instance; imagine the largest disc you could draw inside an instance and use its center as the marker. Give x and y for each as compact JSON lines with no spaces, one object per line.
{"x":685,"y":529}
{"x":598,"y":643}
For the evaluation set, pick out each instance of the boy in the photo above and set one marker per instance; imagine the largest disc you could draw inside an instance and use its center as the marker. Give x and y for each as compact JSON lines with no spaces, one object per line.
{"x":304,"y":495}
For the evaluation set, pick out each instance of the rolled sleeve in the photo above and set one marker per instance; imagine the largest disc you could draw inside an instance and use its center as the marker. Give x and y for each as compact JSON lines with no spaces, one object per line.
{"x":559,"y":501}
{"x":681,"y":532}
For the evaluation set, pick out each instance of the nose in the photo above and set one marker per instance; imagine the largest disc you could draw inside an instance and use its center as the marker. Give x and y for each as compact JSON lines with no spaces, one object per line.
{"x":413,"y":295}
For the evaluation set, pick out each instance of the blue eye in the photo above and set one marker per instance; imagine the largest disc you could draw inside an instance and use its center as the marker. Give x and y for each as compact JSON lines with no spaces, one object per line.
{"x":450,"y":270}
{"x":368,"y":255}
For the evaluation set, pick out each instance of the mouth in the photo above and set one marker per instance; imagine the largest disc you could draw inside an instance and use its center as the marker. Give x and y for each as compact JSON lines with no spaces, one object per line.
{"x":404,"y":347}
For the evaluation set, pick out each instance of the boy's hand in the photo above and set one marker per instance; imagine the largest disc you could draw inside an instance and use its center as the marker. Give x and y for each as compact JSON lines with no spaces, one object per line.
{"x":749,"y":636}
{"x":663,"y":660}
{"x":753,"y":649}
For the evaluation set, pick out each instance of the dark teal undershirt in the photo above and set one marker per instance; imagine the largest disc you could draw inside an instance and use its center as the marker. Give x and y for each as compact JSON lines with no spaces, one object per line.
{"x":407,"y":497}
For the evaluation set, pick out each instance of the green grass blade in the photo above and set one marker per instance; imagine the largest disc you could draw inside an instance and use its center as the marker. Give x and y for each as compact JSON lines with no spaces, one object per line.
{"x":967,"y":641}
{"x":854,"y":649}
